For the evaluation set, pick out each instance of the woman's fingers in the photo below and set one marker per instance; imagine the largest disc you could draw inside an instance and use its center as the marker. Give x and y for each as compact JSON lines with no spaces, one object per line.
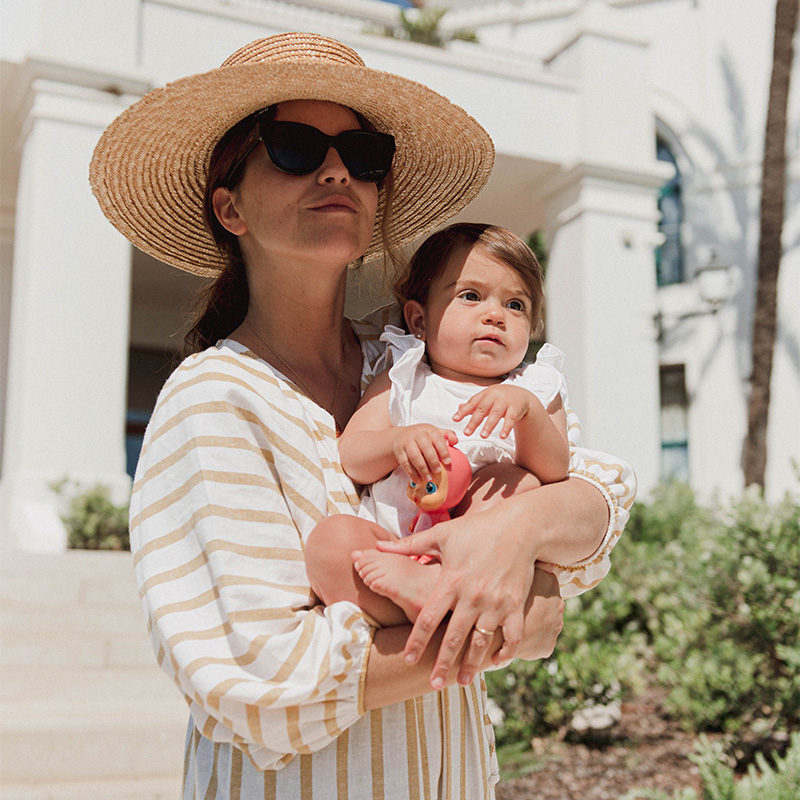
{"x":544,"y":617}
{"x":418,"y":544}
{"x":512,"y":638}
{"x":484,"y":635}
{"x":428,"y":620}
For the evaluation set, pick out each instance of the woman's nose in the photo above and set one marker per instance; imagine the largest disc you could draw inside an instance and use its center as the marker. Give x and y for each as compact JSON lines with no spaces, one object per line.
{"x":333,"y":169}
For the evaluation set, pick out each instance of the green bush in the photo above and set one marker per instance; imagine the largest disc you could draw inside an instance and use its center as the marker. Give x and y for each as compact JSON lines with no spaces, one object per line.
{"x":733,"y":664}
{"x":93,"y":521}
{"x":762,"y":782}
{"x":704,"y":604}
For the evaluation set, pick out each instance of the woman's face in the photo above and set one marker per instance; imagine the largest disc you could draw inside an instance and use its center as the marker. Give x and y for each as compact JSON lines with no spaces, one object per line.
{"x":284,"y":219}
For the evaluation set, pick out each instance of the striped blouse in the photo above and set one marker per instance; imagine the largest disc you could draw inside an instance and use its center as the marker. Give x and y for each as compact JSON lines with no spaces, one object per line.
{"x":237,"y":468}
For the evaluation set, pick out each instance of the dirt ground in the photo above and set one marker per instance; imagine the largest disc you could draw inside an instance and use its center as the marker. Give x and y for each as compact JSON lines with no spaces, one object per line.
{"x":644,"y":750}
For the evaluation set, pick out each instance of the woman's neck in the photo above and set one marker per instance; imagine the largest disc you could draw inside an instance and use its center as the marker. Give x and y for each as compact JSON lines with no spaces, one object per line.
{"x":297,"y":324}
{"x":300,"y":317}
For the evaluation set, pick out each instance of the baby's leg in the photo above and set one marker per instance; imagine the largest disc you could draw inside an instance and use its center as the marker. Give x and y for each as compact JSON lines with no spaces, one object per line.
{"x":408,"y":583}
{"x":494,"y":483}
{"x":330,"y":569}
{"x":401,"y":579}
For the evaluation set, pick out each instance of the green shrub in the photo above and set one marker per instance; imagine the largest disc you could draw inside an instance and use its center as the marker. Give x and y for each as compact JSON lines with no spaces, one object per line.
{"x":733,"y":665}
{"x":762,"y":782}
{"x":93,"y":521}
{"x":702,"y":603}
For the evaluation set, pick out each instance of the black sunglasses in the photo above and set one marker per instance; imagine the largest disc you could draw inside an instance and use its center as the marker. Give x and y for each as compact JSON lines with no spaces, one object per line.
{"x":301,"y":149}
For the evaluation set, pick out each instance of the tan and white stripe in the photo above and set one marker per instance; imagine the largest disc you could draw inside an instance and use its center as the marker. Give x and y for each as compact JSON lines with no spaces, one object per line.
{"x":237,"y":468}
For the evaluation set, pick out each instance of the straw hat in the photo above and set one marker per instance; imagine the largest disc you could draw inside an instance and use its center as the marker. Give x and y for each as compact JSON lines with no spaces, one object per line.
{"x":149,"y":169}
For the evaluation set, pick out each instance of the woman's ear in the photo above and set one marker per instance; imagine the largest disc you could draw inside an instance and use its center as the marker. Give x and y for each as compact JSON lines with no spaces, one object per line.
{"x":415,"y":318}
{"x":225,"y":210}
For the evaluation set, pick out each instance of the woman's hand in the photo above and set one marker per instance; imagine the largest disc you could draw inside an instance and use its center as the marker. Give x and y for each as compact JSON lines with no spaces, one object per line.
{"x":500,"y":402}
{"x":421,"y":450}
{"x":389,"y":681}
{"x":488,"y":567}
{"x":486,"y":577}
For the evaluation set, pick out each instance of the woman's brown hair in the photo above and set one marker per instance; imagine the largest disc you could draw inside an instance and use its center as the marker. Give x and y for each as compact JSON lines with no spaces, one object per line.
{"x":433,"y":254}
{"x":221,"y":306}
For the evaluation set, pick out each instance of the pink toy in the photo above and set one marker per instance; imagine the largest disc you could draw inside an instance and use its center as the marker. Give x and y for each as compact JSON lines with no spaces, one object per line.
{"x":434,"y":498}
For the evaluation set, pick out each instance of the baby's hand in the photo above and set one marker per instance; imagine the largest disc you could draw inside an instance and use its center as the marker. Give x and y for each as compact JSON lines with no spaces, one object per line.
{"x":422,"y":449}
{"x":509,"y":403}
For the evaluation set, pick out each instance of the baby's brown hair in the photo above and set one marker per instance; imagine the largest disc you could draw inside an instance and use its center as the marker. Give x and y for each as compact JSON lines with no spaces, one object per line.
{"x":496,"y":242}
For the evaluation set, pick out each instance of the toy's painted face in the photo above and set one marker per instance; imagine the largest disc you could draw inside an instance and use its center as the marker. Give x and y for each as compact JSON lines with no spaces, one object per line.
{"x":429,"y":495}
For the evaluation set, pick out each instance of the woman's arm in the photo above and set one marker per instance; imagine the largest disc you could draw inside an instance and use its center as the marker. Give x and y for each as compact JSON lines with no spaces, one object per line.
{"x":591,"y":507}
{"x":390,"y":679}
{"x":510,"y":537}
{"x":230,"y":483}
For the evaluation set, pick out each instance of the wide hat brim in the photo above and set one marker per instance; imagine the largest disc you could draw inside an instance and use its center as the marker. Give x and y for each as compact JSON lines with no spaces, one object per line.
{"x":149,"y":168}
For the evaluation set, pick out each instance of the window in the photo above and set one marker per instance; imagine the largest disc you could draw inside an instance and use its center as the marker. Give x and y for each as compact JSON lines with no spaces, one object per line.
{"x":148,"y":369}
{"x":669,"y":255}
{"x":674,"y":423}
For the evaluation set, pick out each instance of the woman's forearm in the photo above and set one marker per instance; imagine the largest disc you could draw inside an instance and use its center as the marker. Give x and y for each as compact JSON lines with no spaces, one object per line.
{"x":560,"y":522}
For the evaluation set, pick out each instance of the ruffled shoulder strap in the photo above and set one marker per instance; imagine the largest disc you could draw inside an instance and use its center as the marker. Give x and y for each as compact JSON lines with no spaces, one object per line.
{"x":396,"y":343}
{"x":549,"y":355}
{"x":369,"y":329}
{"x":544,"y":377}
{"x":404,"y":353}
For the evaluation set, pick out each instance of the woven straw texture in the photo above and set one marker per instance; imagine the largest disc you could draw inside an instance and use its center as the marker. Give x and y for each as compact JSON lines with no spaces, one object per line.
{"x":149,"y":168}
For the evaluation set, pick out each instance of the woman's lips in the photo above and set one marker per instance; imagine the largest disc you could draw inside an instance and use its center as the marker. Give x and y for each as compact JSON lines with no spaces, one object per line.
{"x":335,"y":202}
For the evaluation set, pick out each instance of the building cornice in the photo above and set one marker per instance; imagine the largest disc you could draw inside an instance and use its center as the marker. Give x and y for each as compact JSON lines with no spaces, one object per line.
{"x":462,"y":55}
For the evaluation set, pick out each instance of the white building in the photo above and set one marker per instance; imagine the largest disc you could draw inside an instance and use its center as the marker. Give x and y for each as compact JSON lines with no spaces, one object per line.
{"x":576,"y":96}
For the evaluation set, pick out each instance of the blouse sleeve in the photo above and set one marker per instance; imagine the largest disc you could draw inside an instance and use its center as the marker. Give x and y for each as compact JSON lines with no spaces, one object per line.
{"x":233,"y":476}
{"x":616,"y":482}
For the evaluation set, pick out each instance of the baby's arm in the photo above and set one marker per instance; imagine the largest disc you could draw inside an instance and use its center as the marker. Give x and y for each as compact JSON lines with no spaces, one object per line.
{"x":540,"y":434}
{"x":370,"y":447}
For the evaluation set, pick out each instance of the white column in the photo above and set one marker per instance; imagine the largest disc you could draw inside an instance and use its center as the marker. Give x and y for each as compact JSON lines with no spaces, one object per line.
{"x":67,"y":361}
{"x":600,"y":305}
{"x":602,"y":231}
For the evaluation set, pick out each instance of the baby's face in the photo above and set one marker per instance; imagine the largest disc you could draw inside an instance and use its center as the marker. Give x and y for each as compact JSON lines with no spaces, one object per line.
{"x":477,"y":321}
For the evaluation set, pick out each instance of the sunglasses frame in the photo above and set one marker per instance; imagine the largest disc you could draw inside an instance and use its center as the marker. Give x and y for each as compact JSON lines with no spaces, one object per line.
{"x":265,"y":119}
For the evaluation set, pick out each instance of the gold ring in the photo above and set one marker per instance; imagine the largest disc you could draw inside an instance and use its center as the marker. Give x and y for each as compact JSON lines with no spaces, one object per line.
{"x":484,"y":631}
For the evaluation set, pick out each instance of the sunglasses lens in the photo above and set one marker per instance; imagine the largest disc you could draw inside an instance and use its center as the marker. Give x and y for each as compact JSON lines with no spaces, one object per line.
{"x":295,"y":148}
{"x":367,"y":155}
{"x":300,"y":149}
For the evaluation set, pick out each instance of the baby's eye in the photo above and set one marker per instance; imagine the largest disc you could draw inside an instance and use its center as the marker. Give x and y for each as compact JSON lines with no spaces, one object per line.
{"x":413,"y":485}
{"x":430,"y":487}
{"x":516,"y":305}
{"x":470,"y":296}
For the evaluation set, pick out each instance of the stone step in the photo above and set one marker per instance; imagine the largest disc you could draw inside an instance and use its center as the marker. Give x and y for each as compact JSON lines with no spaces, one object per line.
{"x":76,"y":576}
{"x":85,"y":712}
{"x":37,"y":751}
{"x":79,"y":608}
{"x":166,"y":788}
{"x":26,"y":692}
{"x":92,"y":724}
{"x":64,"y":648}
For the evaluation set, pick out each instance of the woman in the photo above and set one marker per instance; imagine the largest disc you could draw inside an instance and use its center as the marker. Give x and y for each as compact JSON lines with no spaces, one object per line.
{"x":285,"y":147}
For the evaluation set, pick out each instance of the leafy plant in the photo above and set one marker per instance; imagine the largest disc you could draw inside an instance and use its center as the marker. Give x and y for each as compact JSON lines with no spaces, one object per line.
{"x":422,"y":26}
{"x":762,"y":782}
{"x":93,"y":521}
{"x":703,"y":604}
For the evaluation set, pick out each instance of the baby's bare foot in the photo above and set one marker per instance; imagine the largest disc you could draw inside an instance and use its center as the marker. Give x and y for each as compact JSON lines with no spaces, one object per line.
{"x":401,"y":579}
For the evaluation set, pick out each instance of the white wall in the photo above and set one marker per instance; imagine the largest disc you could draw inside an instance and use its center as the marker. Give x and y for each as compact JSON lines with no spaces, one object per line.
{"x":572,"y":101}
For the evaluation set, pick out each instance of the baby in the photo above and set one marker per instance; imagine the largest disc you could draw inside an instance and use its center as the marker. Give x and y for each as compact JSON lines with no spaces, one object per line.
{"x":471,"y":299}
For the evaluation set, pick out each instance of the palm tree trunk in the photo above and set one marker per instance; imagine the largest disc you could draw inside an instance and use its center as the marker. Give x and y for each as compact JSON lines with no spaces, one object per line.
{"x":773,"y":191}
